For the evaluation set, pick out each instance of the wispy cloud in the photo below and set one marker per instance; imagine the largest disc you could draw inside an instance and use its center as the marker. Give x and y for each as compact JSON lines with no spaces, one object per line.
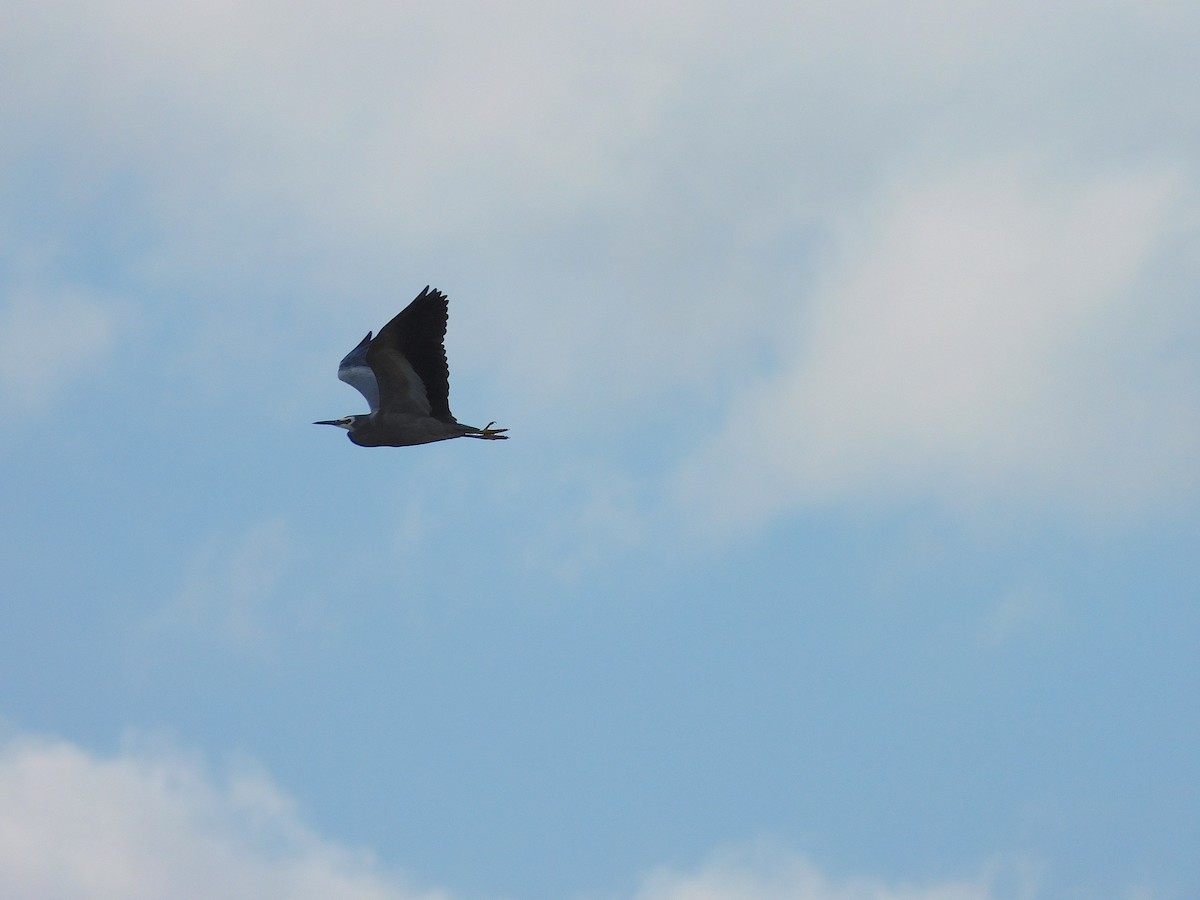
{"x":228,"y":588}
{"x":994,"y":335}
{"x":762,"y":873}
{"x":597,"y":512}
{"x":1019,"y":611}
{"x":49,"y":339}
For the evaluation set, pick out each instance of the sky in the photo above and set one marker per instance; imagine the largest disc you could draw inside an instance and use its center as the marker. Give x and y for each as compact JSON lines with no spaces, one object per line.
{"x":845,"y":544}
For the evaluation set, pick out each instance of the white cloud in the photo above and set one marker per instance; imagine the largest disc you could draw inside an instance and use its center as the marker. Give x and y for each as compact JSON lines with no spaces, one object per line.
{"x":152,"y":824}
{"x":364,"y":122}
{"x":772,"y":874}
{"x":993,"y":335}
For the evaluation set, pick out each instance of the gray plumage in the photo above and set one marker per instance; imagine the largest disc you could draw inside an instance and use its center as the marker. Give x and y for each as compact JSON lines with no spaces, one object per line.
{"x":404,"y":377}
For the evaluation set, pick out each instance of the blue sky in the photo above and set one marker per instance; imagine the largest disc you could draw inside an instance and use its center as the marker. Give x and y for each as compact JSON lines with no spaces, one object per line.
{"x":845,"y":545}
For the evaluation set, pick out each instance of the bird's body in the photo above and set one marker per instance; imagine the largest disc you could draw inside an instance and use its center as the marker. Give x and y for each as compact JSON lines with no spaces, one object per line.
{"x":380,"y":429}
{"x":404,"y":377}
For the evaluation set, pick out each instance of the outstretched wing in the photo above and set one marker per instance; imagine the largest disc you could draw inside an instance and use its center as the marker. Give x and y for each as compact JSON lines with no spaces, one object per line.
{"x":408,"y":357}
{"x":355,"y":371}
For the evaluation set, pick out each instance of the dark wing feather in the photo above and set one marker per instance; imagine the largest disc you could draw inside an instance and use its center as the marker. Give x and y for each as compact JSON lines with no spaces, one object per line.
{"x":408,"y":357}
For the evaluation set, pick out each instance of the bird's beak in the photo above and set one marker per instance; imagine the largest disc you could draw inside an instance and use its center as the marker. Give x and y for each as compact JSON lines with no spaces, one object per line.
{"x":330,"y":422}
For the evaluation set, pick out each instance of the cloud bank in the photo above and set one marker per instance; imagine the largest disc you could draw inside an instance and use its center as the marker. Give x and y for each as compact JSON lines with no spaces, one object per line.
{"x":895,"y":253}
{"x":154,"y":822}
{"x":991,"y":335}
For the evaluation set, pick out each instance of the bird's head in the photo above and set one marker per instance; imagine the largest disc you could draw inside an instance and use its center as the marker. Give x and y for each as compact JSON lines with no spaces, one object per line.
{"x":347,"y":422}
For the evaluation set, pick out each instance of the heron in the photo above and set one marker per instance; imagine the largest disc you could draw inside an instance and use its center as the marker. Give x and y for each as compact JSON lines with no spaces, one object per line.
{"x":403,"y":375}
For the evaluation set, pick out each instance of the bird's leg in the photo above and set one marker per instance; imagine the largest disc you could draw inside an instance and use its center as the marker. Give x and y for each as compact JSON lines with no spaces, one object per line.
{"x":488,"y":433}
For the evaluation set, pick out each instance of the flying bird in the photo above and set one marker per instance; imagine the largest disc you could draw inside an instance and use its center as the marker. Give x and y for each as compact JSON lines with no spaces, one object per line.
{"x":404,"y":377}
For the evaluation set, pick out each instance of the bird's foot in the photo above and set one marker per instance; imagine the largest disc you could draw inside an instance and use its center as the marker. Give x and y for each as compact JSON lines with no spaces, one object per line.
{"x":488,"y":433}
